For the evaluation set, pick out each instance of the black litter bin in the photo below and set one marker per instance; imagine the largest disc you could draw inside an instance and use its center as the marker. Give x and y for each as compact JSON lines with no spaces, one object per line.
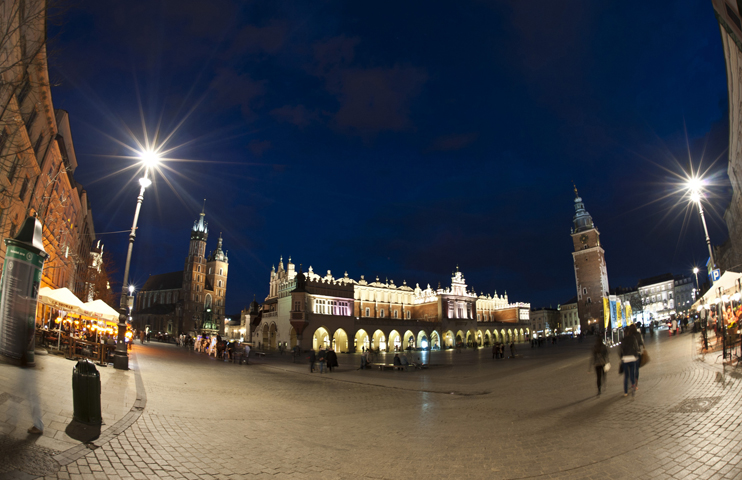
{"x":86,"y":393}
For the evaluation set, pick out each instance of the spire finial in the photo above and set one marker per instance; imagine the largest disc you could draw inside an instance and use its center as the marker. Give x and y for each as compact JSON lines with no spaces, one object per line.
{"x":577,"y":195}
{"x":203,"y":210}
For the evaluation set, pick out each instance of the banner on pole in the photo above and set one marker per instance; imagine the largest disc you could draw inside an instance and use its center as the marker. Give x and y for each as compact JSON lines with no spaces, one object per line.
{"x":606,"y":312}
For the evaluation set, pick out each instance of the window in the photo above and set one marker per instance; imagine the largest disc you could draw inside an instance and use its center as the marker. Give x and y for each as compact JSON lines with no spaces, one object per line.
{"x":368,"y":312}
{"x":297,"y":306}
{"x":588,"y":300}
{"x":221,"y":271}
{"x":407,"y":314}
{"x":396,"y":314}
{"x":220,"y":283}
{"x":381,"y":314}
{"x":584,"y":291}
{"x":198,"y":269}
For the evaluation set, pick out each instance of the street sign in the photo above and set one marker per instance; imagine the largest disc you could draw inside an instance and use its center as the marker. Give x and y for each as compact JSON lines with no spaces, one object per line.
{"x":715,"y":275}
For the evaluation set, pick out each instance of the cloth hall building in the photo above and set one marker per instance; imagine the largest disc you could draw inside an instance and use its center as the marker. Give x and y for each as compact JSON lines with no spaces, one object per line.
{"x":309,"y":310}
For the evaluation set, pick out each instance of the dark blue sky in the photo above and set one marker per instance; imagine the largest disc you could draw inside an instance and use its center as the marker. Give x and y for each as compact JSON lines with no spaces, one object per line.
{"x":400,"y":139}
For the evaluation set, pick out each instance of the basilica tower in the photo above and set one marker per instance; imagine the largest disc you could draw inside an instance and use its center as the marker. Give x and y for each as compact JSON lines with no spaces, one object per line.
{"x":194,"y":276}
{"x":591,"y":273}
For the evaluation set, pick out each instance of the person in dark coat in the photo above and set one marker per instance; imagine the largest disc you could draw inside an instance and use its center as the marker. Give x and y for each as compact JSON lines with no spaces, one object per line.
{"x":332,"y":360}
{"x":312,"y":359}
{"x":322,"y":359}
{"x":598,"y":361}
{"x":629,"y":352}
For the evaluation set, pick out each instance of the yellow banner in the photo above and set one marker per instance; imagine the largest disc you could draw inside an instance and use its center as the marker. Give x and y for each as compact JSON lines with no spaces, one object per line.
{"x":606,"y":312}
{"x":628,"y":314}
{"x":618,"y":312}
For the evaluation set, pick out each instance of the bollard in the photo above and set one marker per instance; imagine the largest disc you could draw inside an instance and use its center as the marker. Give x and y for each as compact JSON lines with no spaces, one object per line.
{"x":86,"y":393}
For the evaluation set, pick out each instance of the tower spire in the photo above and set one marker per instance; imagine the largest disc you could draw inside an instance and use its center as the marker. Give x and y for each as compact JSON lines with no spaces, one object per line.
{"x":203,"y":210}
{"x":577,"y":195}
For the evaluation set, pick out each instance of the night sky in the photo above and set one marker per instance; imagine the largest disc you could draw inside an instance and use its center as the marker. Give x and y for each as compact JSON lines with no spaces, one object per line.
{"x":400,"y":139}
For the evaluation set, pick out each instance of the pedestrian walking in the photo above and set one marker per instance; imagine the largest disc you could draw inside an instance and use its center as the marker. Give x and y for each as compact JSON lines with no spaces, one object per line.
{"x":364,"y":359}
{"x":247,"y":354}
{"x":640,"y":343}
{"x":629,"y":356}
{"x":494,"y":350}
{"x":512,"y":349}
{"x":599,"y":361}
{"x":403,"y":361}
{"x":322,"y":359}
{"x":312,"y":359}
{"x":332,"y":360}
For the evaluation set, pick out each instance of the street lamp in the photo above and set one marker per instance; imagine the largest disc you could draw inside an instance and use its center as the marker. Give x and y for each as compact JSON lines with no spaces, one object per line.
{"x":149,"y":159}
{"x":695,"y":187}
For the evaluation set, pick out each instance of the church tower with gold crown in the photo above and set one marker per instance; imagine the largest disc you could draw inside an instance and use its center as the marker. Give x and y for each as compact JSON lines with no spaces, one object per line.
{"x":591,"y":273}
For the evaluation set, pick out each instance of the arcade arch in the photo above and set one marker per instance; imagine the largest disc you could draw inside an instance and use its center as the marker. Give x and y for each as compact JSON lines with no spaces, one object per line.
{"x":340,"y":341}
{"x":361,"y":341}
{"x":320,"y":338}
{"x":422,"y":340}
{"x":409,"y":340}
{"x":273,"y":332}
{"x":395,"y":341}
{"x":379,"y":341}
{"x":435,"y":341}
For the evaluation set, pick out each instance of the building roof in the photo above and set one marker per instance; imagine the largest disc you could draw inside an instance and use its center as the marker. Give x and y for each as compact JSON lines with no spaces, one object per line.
{"x":571,"y":300}
{"x":666,"y":277}
{"x":158,"y":309}
{"x":164,"y":281}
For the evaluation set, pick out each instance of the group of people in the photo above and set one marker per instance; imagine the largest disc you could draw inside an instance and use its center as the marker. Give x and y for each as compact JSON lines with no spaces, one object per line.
{"x":325,"y":358}
{"x":498,"y":350}
{"x":632,"y":354}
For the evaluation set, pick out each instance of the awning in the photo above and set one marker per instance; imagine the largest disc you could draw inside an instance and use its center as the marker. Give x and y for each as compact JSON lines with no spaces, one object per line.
{"x":728,"y":284}
{"x":62,"y":299}
{"x":100,"y":309}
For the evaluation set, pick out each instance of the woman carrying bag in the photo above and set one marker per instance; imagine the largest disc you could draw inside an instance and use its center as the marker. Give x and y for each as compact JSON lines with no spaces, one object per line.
{"x":599,"y":360}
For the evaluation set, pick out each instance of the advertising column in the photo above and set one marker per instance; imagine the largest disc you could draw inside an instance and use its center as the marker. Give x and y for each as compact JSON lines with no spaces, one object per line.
{"x":19,"y":291}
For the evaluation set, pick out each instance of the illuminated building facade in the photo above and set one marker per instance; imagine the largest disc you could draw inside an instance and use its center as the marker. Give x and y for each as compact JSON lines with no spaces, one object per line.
{"x":309,"y":310}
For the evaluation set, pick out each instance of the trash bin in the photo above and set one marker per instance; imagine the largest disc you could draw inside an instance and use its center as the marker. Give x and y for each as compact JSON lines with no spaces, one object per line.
{"x":86,"y":393}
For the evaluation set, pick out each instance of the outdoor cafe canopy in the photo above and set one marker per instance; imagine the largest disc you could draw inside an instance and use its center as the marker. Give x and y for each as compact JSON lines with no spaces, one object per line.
{"x":62,"y":299}
{"x":102,"y":310}
{"x":728,"y":284}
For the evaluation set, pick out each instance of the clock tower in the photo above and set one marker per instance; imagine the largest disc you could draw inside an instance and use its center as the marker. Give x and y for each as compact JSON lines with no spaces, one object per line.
{"x":591,"y":274}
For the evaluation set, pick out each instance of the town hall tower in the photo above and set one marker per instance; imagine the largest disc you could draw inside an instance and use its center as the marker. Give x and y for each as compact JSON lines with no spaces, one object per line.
{"x":591,"y":273}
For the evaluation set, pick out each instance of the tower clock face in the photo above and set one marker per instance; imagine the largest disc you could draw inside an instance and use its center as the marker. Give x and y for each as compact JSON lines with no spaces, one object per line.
{"x":583,"y":238}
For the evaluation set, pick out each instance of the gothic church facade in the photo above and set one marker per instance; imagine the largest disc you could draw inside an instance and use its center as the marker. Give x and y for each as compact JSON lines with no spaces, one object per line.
{"x":190,"y":301}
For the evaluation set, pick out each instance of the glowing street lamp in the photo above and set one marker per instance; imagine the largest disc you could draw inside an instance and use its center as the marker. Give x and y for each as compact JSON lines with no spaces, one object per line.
{"x":149,"y":159}
{"x":695,"y":189}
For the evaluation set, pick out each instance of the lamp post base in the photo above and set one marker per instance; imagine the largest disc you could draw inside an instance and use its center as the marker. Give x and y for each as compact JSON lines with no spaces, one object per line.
{"x":121,"y":361}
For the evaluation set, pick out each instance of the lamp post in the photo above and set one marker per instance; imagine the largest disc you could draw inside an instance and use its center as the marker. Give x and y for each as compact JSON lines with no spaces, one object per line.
{"x":695,"y":186}
{"x":121,"y":358}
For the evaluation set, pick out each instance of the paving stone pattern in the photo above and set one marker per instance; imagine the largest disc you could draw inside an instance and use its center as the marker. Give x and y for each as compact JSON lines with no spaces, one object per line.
{"x":468,"y":416}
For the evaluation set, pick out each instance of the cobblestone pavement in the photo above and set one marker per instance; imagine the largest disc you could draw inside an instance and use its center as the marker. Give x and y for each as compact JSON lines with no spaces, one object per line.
{"x":468,"y":416}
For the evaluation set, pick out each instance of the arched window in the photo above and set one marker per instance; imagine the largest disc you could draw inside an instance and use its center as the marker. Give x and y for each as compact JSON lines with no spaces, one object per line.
{"x":221,"y":271}
{"x":207,"y":301}
{"x":198,"y":269}
{"x":220,"y":283}
{"x":407,"y":314}
{"x":381,"y":313}
{"x":368,"y":312}
{"x":396,"y":314}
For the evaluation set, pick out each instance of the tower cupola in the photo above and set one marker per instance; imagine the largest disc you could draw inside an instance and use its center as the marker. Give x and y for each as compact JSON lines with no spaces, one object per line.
{"x":582,"y":220}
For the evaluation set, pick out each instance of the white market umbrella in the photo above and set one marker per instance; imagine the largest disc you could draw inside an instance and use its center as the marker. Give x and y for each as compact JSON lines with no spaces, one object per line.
{"x":100,"y":309}
{"x":62,"y":299}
